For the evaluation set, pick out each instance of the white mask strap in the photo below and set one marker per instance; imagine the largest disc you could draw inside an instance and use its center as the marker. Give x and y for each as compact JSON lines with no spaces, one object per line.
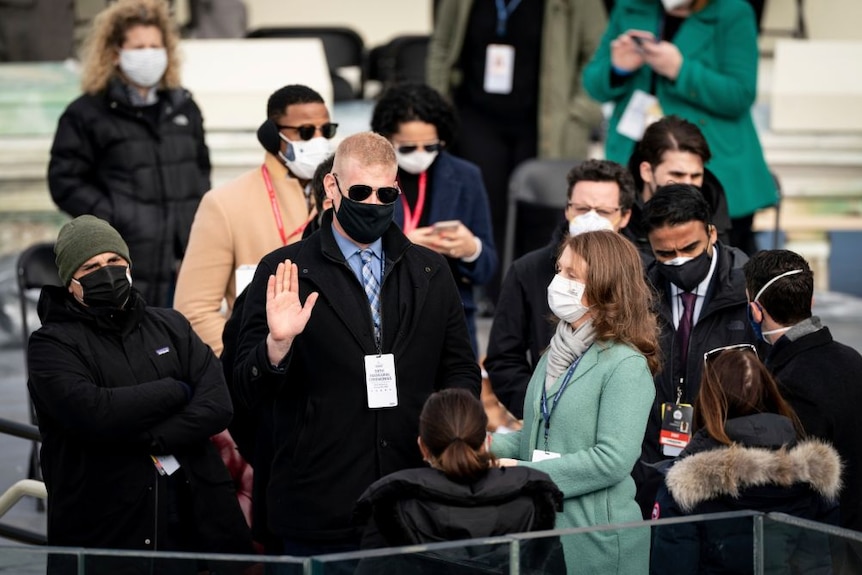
{"x":773,"y":280}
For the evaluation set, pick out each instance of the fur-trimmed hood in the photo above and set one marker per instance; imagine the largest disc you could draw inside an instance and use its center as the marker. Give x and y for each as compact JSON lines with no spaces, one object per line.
{"x":729,"y":471}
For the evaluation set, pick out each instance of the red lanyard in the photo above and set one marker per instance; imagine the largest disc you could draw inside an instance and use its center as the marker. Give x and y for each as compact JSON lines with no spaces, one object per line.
{"x":412,"y":217}
{"x":276,"y":212}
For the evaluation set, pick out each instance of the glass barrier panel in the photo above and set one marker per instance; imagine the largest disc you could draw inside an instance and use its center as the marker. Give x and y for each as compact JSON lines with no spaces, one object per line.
{"x":476,"y":556}
{"x":794,"y":545}
{"x":715,"y":542}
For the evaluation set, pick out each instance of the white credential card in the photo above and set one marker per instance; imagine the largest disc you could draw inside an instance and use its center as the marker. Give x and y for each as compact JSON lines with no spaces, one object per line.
{"x":380,"y":381}
{"x":499,"y":68}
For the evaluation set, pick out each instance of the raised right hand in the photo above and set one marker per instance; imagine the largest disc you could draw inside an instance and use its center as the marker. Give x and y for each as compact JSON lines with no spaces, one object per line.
{"x":286,"y":316}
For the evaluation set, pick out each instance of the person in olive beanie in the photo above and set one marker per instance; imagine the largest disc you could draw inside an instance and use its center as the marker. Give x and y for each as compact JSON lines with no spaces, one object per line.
{"x":83,"y":238}
{"x":127,"y":397}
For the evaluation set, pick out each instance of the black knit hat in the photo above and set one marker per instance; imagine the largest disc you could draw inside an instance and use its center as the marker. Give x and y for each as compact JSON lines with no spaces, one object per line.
{"x":83,"y":238}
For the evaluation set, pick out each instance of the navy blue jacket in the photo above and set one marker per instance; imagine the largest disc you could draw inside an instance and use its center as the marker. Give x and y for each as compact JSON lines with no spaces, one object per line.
{"x":458,"y":193}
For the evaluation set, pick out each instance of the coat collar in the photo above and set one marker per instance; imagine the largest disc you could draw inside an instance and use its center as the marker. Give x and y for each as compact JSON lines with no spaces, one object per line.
{"x":785,"y":350}
{"x":399,"y":304}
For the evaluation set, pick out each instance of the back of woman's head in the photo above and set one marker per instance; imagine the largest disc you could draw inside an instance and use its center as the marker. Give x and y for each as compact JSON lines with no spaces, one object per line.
{"x":452,"y":428}
{"x":735,"y":383}
{"x":620,"y":298}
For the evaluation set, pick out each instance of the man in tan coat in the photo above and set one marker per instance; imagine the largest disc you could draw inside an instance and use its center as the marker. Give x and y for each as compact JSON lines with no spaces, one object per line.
{"x":240,"y":222}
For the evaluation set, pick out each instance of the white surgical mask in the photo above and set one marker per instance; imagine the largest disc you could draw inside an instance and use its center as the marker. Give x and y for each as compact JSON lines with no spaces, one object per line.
{"x":416,"y":161}
{"x":144,"y":67}
{"x":589,"y":222}
{"x":564,"y":299}
{"x":302,"y":157}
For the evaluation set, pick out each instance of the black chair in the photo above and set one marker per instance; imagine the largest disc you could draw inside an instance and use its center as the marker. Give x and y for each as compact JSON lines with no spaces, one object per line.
{"x":36,"y":268}
{"x":400,"y":60}
{"x":537,"y":196}
{"x":344,"y":48}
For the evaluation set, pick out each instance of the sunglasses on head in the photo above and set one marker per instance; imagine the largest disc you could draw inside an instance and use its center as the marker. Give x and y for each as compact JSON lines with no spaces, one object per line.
{"x":361,"y":192}
{"x":307,"y":131}
{"x":410,"y":148}
{"x":713,"y":353}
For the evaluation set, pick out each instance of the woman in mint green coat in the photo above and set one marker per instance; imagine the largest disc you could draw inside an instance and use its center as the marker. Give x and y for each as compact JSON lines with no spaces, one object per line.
{"x":700,"y":62}
{"x":588,"y":401}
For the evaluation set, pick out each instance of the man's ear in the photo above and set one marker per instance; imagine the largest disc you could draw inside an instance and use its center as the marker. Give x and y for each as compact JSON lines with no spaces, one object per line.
{"x":646,"y":172}
{"x":757,"y":313}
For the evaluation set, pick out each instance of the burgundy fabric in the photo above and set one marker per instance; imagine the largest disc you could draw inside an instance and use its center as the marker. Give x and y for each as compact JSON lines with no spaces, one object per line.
{"x":685,"y":323}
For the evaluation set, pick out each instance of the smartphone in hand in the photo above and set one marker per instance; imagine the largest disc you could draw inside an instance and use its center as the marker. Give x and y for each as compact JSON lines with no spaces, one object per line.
{"x":446,"y":226}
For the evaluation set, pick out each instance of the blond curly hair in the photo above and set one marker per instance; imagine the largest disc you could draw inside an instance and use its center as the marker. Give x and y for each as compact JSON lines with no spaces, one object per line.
{"x":109,"y":33}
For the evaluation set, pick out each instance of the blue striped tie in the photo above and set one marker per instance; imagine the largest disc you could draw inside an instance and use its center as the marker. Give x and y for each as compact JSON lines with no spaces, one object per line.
{"x":372,"y":289}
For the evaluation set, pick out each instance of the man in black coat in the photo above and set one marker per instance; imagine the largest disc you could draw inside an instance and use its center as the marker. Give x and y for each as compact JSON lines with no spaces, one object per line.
{"x":127,"y":397}
{"x":818,"y":376}
{"x":698,"y":278}
{"x":346,"y":334}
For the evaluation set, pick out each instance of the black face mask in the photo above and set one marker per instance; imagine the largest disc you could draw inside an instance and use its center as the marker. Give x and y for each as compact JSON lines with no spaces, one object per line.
{"x":686,"y":276}
{"x":107,"y":287}
{"x":364,"y":223}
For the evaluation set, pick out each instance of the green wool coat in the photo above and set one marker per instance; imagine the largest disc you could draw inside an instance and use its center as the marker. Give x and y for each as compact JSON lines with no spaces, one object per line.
{"x":715,"y":89}
{"x":598,"y":426}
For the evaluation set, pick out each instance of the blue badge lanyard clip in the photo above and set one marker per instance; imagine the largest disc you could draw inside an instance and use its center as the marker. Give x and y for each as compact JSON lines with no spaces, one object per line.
{"x":503,"y":12}
{"x":546,"y":413}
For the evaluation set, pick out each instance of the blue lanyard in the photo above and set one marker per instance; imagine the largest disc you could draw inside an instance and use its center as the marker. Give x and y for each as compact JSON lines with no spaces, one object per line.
{"x":546,"y":413}
{"x":503,"y":13}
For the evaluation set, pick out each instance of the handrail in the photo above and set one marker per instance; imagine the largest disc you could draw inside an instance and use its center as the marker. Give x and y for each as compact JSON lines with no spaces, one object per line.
{"x":18,"y":429}
{"x":21,"y":489}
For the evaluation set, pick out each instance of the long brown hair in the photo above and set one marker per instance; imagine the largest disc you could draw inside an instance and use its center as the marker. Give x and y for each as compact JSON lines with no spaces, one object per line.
{"x":452,"y":427}
{"x":735,"y":384}
{"x":109,"y":33}
{"x":621,"y":300}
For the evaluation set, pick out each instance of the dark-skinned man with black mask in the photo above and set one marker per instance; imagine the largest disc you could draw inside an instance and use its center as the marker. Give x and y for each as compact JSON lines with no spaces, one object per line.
{"x":701,"y":306}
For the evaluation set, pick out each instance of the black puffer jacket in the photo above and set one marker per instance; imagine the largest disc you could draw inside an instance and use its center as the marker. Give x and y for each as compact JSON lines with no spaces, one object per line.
{"x":111,"y":390}
{"x":144,"y":170}
{"x":763,"y":470}
{"x":417,"y":506}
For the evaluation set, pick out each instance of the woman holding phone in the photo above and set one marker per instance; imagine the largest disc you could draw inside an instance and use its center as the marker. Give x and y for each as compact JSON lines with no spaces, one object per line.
{"x":444,"y":206}
{"x":696,"y":59}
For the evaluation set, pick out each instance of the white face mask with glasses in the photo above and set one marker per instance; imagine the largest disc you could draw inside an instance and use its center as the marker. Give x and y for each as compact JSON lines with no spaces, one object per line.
{"x":589,"y":222}
{"x":302,"y":157}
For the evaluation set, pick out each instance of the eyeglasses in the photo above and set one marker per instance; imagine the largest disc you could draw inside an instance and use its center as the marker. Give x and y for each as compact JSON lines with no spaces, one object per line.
{"x":361,"y":192}
{"x":410,"y":148}
{"x":736,"y":347}
{"x":581,"y":209}
{"x":307,"y":131}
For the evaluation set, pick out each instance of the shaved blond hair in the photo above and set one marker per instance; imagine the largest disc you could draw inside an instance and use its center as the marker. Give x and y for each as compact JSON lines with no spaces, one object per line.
{"x":366,"y":149}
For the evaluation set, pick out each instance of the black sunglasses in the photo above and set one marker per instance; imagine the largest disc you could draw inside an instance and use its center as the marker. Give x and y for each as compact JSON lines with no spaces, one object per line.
{"x":307,"y":131}
{"x":736,"y":347}
{"x":436,"y":147}
{"x":361,"y":192}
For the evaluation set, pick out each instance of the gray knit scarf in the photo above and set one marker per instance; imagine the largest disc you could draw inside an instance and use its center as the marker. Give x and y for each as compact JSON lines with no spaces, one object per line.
{"x":567,"y":345}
